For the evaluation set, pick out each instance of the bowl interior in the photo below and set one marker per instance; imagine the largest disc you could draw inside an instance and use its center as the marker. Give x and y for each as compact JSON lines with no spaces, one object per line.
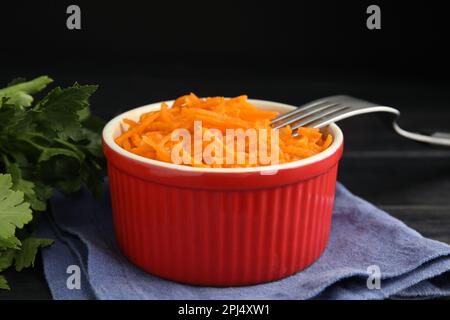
{"x":113,"y":130}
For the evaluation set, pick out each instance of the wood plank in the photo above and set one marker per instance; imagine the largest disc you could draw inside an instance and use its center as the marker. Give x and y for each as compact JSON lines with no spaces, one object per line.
{"x":431,"y":221}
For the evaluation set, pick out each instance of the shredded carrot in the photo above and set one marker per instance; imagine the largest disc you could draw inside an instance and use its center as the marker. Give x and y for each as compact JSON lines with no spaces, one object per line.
{"x":151,"y":135}
{"x":130,"y":122}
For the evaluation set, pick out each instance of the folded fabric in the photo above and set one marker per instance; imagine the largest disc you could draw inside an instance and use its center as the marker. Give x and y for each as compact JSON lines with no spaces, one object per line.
{"x":363,"y":241}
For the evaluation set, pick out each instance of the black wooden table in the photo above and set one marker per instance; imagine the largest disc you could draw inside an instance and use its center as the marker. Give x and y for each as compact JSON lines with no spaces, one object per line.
{"x":411,"y":181}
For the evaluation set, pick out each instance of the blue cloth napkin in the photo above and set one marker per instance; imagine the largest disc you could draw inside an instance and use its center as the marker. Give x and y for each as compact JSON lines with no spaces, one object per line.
{"x":362,"y":237}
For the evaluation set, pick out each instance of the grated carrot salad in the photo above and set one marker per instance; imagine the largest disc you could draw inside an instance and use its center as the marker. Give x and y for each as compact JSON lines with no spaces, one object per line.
{"x":150,"y":136}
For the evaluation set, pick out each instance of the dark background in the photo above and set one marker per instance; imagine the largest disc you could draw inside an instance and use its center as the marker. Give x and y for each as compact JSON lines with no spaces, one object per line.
{"x":290,"y":51}
{"x":277,"y":35}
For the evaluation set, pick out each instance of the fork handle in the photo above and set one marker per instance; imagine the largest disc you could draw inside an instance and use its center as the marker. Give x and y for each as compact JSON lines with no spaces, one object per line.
{"x":436,"y":138}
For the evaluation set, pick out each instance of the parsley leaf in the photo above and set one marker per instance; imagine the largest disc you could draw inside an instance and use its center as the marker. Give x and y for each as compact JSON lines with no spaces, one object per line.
{"x":13,"y":119}
{"x":14,"y":212}
{"x":6,"y":259}
{"x":25,"y":257}
{"x":59,"y":110}
{"x":37,"y":202}
{"x":10,"y":243}
{"x":4,"y":283}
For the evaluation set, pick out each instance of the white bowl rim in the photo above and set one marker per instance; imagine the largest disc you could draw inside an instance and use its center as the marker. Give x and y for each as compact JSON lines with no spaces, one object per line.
{"x":109,"y":128}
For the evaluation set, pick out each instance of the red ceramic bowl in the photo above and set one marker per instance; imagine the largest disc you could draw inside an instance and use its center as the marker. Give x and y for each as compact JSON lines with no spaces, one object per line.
{"x":219,"y":226}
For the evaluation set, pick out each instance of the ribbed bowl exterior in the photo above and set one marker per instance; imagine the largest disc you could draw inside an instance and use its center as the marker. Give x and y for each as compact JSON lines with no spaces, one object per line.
{"x":221,"y":237}
{"x":221,"y":227}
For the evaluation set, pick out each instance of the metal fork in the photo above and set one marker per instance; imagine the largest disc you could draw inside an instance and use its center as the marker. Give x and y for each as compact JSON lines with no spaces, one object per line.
{"x":322,"y":112}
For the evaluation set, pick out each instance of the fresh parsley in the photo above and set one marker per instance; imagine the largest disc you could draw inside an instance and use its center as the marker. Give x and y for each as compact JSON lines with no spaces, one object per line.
{"x":53,"y":143}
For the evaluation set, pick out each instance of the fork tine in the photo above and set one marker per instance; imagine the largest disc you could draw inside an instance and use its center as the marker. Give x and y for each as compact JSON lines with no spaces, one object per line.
{"x":303,"y":113}
{"x":298,"y":110}
{"x":318,"y":115}
{"x":322,"y":120}
{"x":329,"y":118}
